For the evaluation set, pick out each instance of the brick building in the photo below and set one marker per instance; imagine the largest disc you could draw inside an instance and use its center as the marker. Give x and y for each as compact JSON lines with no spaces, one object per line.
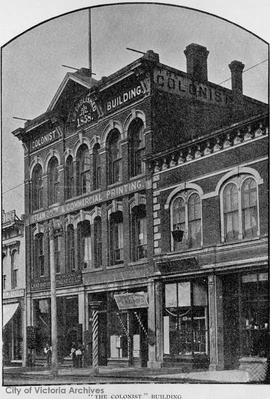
{"x":153,"y":182}
{"x":13,"y":288}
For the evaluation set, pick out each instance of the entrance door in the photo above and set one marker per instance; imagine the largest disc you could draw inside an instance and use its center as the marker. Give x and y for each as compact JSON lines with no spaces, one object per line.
{"x":140,"y":342}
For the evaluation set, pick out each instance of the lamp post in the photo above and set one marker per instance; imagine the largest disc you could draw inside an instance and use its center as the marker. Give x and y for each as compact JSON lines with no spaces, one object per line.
{"x":54,"y":231}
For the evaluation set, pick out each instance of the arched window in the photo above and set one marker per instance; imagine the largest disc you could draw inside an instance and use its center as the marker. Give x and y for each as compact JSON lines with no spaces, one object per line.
{"x":139,"y":233}
{"x":97,"y":242}
{"x":186,"y":221}
{"x":53,"y":182}
{"x":84,"y":245}
{"x":116,"y":238}
{"x":37,"y":188}
{"x":70,"y":248}
{"x":231,"y":217}
{"x":96,"y":167}
{"x":39,"y":254}
{"x":114,"y":158}
{"x":69,"y":178}
{"x":240,"y":208}
{"x":136,"y":147}
{"x":83,"y":170}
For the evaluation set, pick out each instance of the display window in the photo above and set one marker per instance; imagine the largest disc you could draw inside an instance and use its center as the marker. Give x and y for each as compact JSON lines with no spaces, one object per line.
{"x":185,"y":318}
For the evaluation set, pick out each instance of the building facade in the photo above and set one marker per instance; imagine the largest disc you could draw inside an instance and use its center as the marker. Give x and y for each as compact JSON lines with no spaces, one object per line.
{"x":13,"y":288}
{"x":146,"y":191}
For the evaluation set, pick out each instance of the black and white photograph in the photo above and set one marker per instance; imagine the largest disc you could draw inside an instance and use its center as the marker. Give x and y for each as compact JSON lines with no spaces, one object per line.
{"x":135,"y":199}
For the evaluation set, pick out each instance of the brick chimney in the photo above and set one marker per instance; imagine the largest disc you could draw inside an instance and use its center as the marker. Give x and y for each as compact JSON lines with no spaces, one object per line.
{"x":236,"y":68}
{"x":197,"y":61}
{"x":151,"y":56}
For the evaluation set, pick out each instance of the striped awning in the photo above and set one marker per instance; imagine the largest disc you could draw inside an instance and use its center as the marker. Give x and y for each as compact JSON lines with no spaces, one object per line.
{"x":9,"y":310}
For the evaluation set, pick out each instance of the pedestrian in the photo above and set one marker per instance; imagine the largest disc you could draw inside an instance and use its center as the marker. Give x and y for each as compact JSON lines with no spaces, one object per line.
{"x":73,"y":354}
{"x":48,"y":353}
{"x":78,"y":353}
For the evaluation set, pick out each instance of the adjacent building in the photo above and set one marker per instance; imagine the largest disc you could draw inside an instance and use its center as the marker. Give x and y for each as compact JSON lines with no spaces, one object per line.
{"x":147,"y":191}
{"x":13,"y":288}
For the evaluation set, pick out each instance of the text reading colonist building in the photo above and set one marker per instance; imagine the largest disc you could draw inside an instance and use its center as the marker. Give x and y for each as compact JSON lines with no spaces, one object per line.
{"x":154,"y":181}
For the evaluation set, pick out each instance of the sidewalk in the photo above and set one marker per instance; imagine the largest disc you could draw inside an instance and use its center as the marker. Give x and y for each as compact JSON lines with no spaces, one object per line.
{"x":154,"y":375}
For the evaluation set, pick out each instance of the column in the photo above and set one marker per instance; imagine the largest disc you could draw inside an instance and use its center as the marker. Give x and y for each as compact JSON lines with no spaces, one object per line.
{"x":215,"y":323}
{"x":154,"y":326}
{"x":125,"y":163}
{"x":126,"y":228}
{"x":95,"y":305}
{"x":81,"y":310}
{"x":61,"y":184}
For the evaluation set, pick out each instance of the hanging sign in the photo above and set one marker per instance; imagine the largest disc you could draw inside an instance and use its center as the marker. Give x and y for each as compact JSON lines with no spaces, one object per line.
{"x":131,"y":300}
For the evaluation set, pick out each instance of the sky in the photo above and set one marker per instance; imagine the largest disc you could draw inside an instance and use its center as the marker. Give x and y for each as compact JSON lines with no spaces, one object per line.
{"x":32,"y":64}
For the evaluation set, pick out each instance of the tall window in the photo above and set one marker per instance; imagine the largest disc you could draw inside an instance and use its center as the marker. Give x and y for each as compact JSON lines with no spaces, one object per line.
{"x":139,"y":233}
{"x":69,"y":178}
{"x":39,"y":254}
{"x":116,"y":238}
{"x":240,"y":209}
{"x":37,"y":189}
{"x":57,"y":251}
{"x":97,"y":242}
{"x":70,"y":248}
{"x":231,"y":214}
{"x":84,"y":245}
{"x":96,"y":167}
{"x":136,"y":147}
{"x":114,"y":159}
{"x":83,"y":170}
{"x":186,"y":221}
{"x":53,"y":183}
{"x":14,"y":271}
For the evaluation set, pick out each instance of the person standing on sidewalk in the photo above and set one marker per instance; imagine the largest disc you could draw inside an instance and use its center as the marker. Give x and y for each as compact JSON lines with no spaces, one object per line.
{"x":48,"y":353}
{"x":73,"y":354}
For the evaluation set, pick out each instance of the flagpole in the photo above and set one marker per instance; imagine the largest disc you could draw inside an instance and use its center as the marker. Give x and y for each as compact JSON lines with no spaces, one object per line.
{"x":89,"y":42}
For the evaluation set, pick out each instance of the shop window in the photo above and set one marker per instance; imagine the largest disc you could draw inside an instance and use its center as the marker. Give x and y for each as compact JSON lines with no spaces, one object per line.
{"x":70,"y":248}
{"x":139,"y":233}
{"x":186,"y":221}
{"x":114,"y":157}
{"x":84,"y":245}
{"x":83,"y":170}
{"x":239,"y":209}
{"x":57,"y":253}
{"x":39,"y":254}
{"x":96,"y":167}
{"x":185,"y":319}
{"x":116,"y":238}
{"x":97,"y":242}
{"x":42,"y":316}
{"x":136,"y":147}
{"x":37,"y":188}
{"x":69,"y":178}
{"x":53,"y":183}
{"x":118,"y":335}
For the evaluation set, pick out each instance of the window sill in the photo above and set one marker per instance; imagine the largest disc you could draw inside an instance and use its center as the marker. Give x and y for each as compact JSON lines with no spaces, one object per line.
{"x":138,"y":262}
{"x":141,"y":175}
{"x":38,"y":210}
{"x":92,"y":270}
{"x":239,"y":241}
{"x":115,"y":266}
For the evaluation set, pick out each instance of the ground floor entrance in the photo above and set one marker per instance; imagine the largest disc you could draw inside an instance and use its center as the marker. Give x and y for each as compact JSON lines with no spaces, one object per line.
{"x":12,"y":333}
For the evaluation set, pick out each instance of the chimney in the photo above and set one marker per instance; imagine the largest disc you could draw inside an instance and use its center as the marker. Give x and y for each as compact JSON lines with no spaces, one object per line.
{"x":151,"y":56}
{"x":236,"y":68}
{"x":197,"y":61}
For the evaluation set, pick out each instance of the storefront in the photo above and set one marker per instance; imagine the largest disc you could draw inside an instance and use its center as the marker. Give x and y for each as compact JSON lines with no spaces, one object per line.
{"x":12,"y":332}
{"x":245,"y":312}
{"x":122,"y":326}
{"x":185,"y":323}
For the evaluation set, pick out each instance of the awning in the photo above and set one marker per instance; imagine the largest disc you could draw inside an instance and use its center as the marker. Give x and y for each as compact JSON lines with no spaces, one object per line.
{"x":9,"y":310}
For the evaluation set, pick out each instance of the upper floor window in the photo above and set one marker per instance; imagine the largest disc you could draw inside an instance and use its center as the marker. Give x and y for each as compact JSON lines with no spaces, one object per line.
{"x":70,"y":248}
{"x":14,"y":271}
{"x":83,"y":170}
{"x":39,"y":254}
{"x":139,"y":233}
{"x":186,"y":221}
{"x":114,"y":157}
{"x":136,"y":147}
{"x":96,"y":167}
{"x":97,"y":242}
{"x":84,"y":244}
{"x":53,"y":183}
{"x":240,"y":210}
{"x":116,"y":238}
{"x":69,"y":178}
{"x":37,"y":188}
